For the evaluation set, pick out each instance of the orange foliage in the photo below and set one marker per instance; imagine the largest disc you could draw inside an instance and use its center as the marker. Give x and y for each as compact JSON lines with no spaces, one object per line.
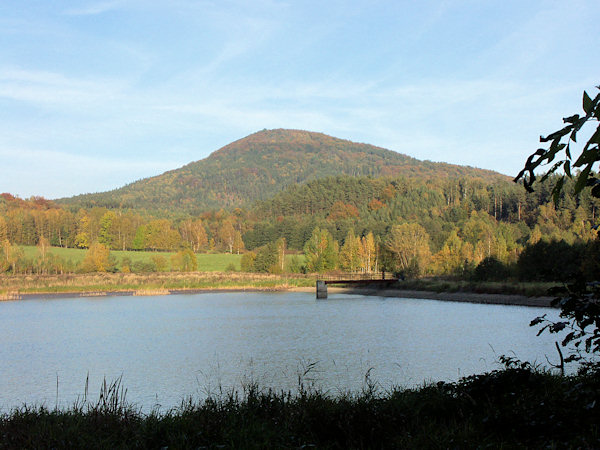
{"x":341,"y":210}
{"x":375,"y":204}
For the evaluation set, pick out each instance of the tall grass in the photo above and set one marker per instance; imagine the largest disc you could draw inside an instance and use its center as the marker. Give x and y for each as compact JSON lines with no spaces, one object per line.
{"x":484,"y":287}
{"x":516,"y":407}
{"x":157,"y":281}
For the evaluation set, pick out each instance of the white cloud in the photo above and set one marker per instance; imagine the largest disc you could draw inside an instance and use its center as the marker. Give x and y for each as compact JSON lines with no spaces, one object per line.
{"x":55,"y":89}
{"x":58,"y":174}
{"x":93,"y":9}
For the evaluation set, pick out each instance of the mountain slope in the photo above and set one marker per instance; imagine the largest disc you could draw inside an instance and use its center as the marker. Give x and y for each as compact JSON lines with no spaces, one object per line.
{"x":262,"y":164}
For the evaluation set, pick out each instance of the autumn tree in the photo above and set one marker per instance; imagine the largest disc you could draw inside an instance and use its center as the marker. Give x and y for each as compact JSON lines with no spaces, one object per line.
{"x":350,"y":252}
{"x":3,"y":229}
{"x":238,"y":242}
{"x":184,"y":261}
{"x":82,"y":239}
{"x":341,"y":210}
{"x":194,"y":234}
{"x":409,"y":243}
{"x":226,"y":235}
{"x":42,"y":247}
{"x":281,"y":247}
{"x":159,"y":235}
{"x":98,"y":259}
{"x":453,"y":257}
{"x":368,"y":253}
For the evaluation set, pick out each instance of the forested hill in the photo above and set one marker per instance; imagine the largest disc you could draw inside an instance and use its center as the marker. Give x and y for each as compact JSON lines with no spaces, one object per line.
{"x":262,"y":164}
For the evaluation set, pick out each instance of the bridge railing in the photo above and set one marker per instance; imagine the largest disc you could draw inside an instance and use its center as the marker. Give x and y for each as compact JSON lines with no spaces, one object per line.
{"x":355,"y":276}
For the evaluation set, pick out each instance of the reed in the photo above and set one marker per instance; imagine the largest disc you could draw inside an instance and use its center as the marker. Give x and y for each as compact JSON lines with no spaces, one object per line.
{"x":10,"y":296}
{"x":158,"y":282}
{"x":149,"y":292}
{"x":514,"y":407}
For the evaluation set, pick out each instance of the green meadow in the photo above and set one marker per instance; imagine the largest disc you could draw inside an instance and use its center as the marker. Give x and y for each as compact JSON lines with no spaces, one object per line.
{"x":207,"y":262}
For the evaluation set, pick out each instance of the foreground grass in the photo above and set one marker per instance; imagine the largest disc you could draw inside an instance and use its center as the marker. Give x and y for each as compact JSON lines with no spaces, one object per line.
{"x":514,"y":407}
{"x":114,"y":282}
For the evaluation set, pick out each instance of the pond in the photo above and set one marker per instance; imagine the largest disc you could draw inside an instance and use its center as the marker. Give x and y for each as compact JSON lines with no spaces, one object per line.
{"x":168,"y":348}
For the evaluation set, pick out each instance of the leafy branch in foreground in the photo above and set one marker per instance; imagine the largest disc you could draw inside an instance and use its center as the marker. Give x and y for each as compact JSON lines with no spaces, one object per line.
{"x":579,"y":302}
{"x":580,"y":307}
{"x":590,"y":153}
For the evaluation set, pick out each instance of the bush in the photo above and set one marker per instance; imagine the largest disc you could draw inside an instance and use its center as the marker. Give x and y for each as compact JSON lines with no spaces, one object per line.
{"x":490,"y":269}
{"x":247,"y":262}
{"x":550,"y":261}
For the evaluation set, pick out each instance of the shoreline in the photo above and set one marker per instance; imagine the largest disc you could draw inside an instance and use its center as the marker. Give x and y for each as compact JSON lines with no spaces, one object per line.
{"x":461,"y":297}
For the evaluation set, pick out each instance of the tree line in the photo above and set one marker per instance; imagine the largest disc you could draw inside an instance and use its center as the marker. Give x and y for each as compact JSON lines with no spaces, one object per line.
{"x":414,"y":227}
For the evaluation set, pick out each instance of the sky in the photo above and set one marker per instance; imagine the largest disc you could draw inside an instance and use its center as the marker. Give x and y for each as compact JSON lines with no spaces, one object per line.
{"x":98,"y":94}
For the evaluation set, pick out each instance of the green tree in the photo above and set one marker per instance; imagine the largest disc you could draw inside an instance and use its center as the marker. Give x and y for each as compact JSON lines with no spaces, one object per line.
{"x":247,"y":262}
{"x":139,"y":241}
{"x":106,"y":235}
{"x":266,"y":258}
{"x":321,"y":251}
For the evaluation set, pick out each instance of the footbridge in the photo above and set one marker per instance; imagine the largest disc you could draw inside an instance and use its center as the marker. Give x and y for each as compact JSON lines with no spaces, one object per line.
{"x":382,"y":279}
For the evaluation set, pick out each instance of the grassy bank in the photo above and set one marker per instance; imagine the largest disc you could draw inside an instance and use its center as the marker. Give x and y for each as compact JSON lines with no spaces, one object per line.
{"x":514,"y":407}
{"x":11,"y":285}
{"x":158,"y":281}
{"x":509,"y":287}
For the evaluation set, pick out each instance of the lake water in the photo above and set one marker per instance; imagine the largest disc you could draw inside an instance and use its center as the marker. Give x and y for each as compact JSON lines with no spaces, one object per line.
{"x":167,"y":348}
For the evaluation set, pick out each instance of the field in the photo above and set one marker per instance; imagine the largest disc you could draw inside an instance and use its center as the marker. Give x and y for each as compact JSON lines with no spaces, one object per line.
{"x":207,"y":262}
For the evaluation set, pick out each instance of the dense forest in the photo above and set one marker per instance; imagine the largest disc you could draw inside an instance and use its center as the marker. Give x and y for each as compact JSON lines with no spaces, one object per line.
{"x":261,"y":165}
{"x":463,"y":226}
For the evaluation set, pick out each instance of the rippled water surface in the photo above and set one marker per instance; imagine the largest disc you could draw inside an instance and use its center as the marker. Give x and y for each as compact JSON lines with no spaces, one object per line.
{"x":170,"y":347}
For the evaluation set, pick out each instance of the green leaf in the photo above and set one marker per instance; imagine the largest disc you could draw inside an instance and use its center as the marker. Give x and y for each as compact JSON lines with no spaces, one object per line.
{"x":582,"y":179}
{"x":587,"y":103}
{"x":567,"y":167}
{"x":571,"y":119}
{"x":557,"y":189}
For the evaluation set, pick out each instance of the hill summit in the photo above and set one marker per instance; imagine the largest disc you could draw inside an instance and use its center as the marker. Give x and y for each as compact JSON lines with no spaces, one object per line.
{"x":262,"y":164}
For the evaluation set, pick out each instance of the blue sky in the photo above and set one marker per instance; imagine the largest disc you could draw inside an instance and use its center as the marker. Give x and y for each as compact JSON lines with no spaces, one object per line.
{"x":97,"y":94}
